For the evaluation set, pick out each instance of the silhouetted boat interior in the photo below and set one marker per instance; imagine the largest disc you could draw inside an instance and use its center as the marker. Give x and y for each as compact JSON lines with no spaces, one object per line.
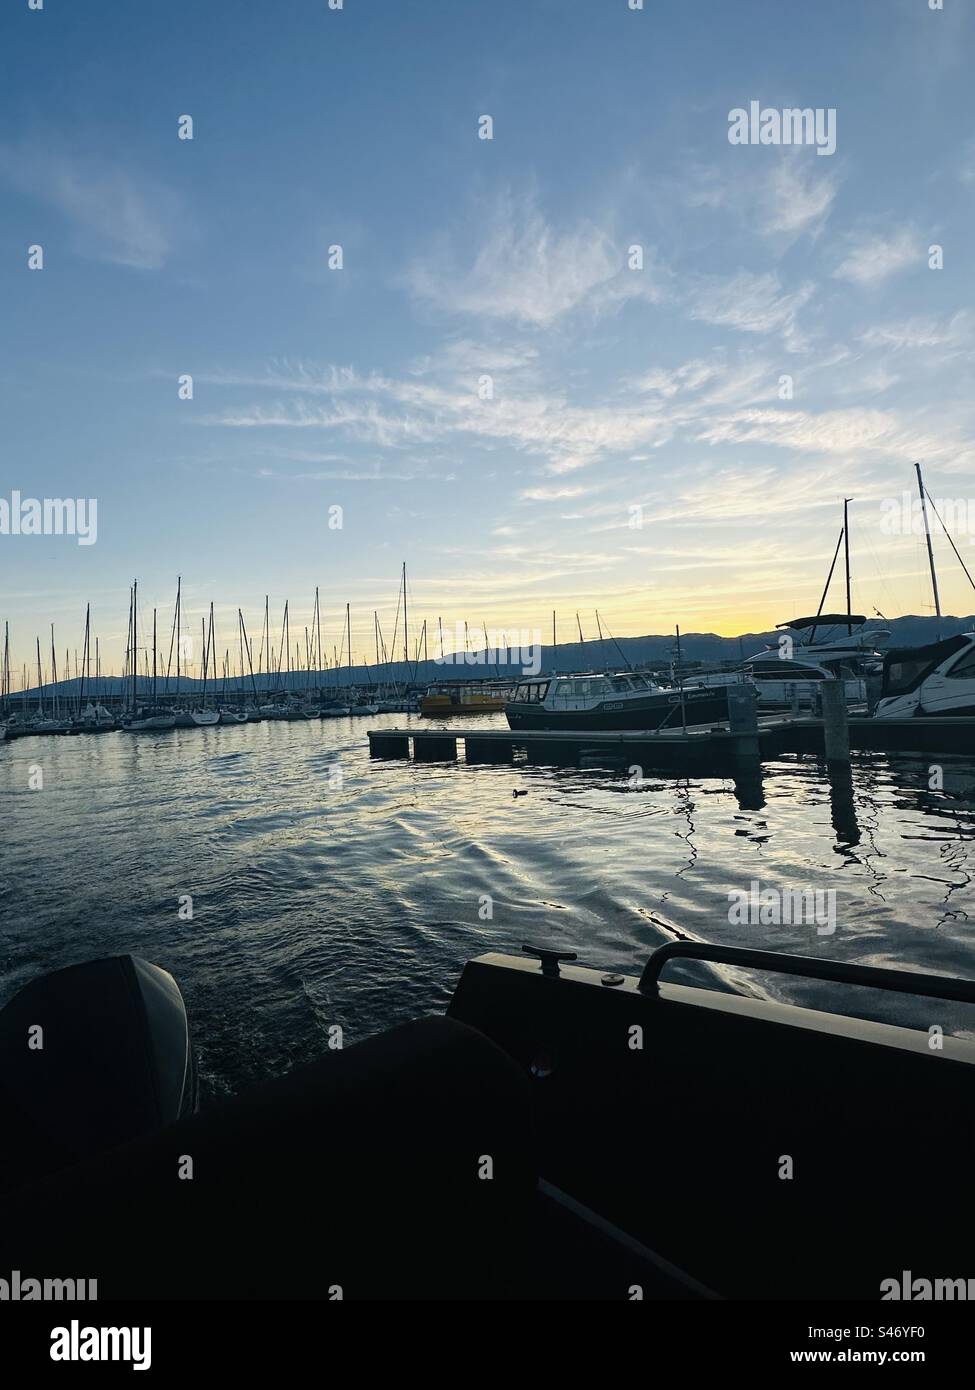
{"x":562,"y":1133}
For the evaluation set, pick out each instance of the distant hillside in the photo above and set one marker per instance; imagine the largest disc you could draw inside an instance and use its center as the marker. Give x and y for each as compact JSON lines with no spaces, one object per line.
{"x":648,"y":651}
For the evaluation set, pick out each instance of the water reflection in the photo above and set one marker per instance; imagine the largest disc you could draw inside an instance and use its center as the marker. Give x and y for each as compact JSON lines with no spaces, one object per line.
{"x":356,"y":899}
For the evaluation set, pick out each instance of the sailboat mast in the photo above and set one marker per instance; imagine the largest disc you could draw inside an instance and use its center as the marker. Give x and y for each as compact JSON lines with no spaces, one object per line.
{"x":85,"y":658}
{"x":40,"y":682}
{"x":927,"y":536}
{"x":348,"y":633}
{"x":846,"y":554}
{"x":135,"y":641}
{"x":154,"y":672}
{"x":172,"y":639}
{"x":287,"y":648}
{"x":179,"y":585}
{"x":250,"y":663}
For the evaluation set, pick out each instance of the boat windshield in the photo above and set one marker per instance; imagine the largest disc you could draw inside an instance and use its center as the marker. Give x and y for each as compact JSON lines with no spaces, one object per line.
{"x":907,"y":667}
{"x":532,"y":692}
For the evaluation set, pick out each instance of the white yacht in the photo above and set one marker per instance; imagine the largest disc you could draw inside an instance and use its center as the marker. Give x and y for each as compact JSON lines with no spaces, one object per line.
{"x":792,"y":671}
{"x":920,"y":682}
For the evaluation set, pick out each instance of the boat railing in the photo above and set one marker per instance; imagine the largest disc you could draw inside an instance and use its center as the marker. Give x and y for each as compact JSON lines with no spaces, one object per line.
{"x":844,"y":972}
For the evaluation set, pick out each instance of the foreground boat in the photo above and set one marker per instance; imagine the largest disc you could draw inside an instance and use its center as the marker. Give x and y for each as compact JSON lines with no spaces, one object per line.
{"x":643,"y":1139}
{"x":625,"y":700}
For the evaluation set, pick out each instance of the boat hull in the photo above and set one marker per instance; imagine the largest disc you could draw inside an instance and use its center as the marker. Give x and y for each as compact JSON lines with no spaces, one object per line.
{"x":701,"y":706}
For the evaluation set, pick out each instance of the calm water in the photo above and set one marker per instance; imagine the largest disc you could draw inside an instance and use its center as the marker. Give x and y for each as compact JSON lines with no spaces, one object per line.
{"x":329,"y":888}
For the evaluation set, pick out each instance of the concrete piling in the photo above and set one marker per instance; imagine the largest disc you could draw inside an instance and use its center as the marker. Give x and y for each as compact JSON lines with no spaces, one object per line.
{"x":836,"y":723}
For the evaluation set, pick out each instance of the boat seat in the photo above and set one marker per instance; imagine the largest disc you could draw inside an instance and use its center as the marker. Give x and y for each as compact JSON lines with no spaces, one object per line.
{"x":365,"y":1171}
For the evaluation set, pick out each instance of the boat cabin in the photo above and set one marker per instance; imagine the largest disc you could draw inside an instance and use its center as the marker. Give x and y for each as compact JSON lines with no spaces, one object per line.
{"x":582,"y":691}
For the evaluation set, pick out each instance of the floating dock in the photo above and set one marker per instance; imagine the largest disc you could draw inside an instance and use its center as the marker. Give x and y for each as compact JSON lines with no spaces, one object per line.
{"x":672,"y":748}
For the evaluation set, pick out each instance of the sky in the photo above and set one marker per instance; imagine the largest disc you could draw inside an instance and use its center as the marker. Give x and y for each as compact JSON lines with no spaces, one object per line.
{"x":490,"y":387}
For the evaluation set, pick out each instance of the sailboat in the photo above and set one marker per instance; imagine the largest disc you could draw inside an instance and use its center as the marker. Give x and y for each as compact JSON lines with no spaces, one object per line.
{"x":51,"y":723}
{"x":92,"y":716}
{"x":150,"y":717}
{"x":792,"y":671}
{"x":939,"y":677}
{"x":198,"y":716}
{"x":204,"y":716}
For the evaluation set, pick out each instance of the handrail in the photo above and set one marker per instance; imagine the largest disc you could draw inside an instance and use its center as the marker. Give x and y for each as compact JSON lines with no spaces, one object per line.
{"x":905,"y":981}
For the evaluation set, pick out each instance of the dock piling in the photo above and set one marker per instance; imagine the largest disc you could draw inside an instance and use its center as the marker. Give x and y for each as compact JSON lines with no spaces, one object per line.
{"x":836,"y":724}
{"x":743,"y":720}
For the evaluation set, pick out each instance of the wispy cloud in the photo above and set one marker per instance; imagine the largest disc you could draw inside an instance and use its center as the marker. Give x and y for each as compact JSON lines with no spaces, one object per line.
{"x":797,"y":198}
{"x":528,"y":272}
{"x":916,"y":333}
{"x":873,"y":257}
{"x":748,"y":302}
{"x":116,"y":214}
{"x":833,"y":432}
{"x":399,"y":412}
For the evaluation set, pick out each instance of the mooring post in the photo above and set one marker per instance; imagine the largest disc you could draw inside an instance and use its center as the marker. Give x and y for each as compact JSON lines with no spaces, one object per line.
{"x":836,"y":724}
{"x":743,"y":720}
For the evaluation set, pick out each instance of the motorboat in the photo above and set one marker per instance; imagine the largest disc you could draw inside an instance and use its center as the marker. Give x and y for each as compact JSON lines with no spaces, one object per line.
{"x":149,"y":718}
{"x":454,"y":697}
{"x":791,"y":672}
{"x":924,"y":682}
{"x":621,"y":700}
{"x":659,"y":1137}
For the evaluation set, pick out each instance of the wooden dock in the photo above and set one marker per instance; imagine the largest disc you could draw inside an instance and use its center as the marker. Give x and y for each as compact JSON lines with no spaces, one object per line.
{"x":695,"y":747}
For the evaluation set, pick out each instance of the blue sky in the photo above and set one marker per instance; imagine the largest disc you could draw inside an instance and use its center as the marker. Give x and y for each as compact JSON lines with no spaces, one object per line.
{"x":613,"y":389}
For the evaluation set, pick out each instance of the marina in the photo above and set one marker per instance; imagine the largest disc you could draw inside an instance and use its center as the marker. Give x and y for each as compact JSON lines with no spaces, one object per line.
{"x":487,"y":674}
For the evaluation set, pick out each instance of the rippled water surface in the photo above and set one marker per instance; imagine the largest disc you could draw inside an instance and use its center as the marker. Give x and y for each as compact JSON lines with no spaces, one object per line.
{"x":330,"y":888}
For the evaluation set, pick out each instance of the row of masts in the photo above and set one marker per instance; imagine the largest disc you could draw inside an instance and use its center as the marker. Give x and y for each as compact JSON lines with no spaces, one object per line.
{"x":279,"y":673}
{"x":277,"y":666}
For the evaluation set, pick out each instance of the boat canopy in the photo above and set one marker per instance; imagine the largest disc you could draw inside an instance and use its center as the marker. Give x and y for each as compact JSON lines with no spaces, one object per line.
{"x":906,"y":667}
{"x":826,"y":620}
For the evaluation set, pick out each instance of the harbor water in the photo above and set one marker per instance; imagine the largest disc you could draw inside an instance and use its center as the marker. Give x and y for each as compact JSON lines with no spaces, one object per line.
{"x":292,"y":884}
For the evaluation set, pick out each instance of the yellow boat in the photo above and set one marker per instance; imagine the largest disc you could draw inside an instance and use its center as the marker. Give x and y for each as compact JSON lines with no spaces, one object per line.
{"x":466,"y":697}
